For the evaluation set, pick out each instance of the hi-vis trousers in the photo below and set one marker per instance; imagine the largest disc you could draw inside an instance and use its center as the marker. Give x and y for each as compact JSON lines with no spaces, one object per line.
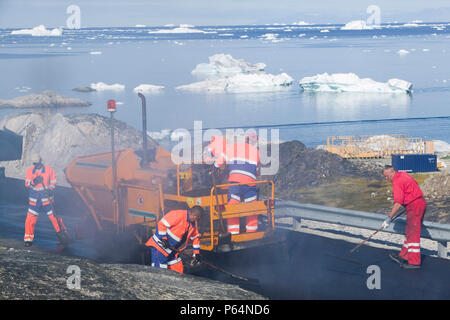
{"x":414,"y":215}
{"x":40,"y":202}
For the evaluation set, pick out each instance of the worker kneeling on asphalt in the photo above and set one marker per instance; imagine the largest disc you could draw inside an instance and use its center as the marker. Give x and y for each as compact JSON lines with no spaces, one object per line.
{"x":408,"y":194}
{"x":243,"y":161}
{"x":174,"y":231}
{"x":40,"y":179}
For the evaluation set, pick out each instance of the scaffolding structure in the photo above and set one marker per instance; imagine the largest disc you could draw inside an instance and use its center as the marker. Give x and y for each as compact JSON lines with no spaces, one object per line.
{"x":376,"y":146}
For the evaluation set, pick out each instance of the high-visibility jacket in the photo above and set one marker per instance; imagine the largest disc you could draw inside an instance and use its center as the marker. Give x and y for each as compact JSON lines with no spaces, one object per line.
{"x":178,"y":230}
{"x":243,"y":161}
{"x":46,"y":172}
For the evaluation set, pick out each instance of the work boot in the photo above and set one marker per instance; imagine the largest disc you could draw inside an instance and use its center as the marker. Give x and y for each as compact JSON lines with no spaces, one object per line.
{"x":28,"y":243}
{"x":62,"y":238}
{"x":410,"y":266}
{"x":397,"y":258}
{"x":67,"y":236}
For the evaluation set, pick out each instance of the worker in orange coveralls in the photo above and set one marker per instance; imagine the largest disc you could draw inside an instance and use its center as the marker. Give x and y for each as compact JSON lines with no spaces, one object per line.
{"x":174,"y":231}
{"x":40,"y":179}
{"x":243,"y":161}
{"x":408,"y":194}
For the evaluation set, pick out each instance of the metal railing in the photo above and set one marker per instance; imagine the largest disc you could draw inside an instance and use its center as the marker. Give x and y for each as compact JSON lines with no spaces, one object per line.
{"x":367,"y":220}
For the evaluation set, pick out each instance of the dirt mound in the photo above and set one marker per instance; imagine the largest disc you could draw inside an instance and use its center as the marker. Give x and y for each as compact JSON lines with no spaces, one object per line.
{"x":303,"y":167}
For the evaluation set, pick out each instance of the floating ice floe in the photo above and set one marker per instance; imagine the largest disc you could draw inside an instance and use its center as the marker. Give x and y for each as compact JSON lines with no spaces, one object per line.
{"x":39,"y":31}
{"x":402,"y":52}
{"x":101,"y":86}
{"x":269,"y":36}
{"x":410,"y":25}
{"x":357,"y":25}
{"x":350,"y":82}
{"x":181,"y":29}
{"x":225,"y":65}
{"x":140,"y":26}
{"x":255,"y":82}
{"x":148,"y":88}
{"x":95,"y":52}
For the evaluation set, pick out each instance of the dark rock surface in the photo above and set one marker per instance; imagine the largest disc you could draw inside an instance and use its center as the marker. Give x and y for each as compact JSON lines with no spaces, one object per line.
{"x":35,"y":274}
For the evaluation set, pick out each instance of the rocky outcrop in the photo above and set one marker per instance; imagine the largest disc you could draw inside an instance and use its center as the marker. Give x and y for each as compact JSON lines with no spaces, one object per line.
{"x":59,"y":139}
{"x":437,"y":186}
{"x":30,"y":274}
{"x":45,"y":99}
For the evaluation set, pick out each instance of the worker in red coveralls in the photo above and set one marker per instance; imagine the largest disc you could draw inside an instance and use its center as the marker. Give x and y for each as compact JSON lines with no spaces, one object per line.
{"x":40,"y":179}
{"x":174,"y":231}
{"x":408,"y":194}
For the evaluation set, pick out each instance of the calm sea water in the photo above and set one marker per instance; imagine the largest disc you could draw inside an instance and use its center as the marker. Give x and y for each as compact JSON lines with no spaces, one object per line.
{"x":132,"y":56}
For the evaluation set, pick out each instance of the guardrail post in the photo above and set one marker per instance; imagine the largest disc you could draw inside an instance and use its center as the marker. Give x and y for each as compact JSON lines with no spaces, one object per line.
{"x":442,"y":249}
{"x":296,"y":222}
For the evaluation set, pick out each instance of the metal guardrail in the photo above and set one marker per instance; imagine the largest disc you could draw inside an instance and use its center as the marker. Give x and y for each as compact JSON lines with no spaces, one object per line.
{"x":367,"y":220}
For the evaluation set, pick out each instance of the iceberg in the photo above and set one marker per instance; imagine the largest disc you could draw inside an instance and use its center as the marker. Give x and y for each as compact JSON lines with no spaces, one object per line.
{"x":350,"y":82}
{"x":301,"y":23}
{"x":402,"y":52}
{"x":147,"y":89}
{"x":39,"y":31}
{"x":357,"y":25}
{"x":256,"y":82}
{"x":100,"y":86}
{"x":225,"y":65}
{"x":223,"y":73}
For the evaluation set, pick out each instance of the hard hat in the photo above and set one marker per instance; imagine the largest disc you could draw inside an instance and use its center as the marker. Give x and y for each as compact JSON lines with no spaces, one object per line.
{"x":35,"y":157}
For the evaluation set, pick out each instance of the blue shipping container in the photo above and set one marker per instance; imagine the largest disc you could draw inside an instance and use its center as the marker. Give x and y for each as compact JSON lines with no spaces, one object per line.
{"x":414,"y":162}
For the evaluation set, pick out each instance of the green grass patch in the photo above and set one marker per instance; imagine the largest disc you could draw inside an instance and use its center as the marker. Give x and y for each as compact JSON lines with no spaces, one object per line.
{"x":350,"y":193}
{"x":420,"y":177}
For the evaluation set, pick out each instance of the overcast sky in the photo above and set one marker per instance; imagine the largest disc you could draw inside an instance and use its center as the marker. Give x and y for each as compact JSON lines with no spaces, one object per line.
{"x":29,"y":13}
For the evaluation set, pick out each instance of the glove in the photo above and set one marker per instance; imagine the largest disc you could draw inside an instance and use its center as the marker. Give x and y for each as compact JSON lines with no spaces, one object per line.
{"x":165,"y":243}
{"x":386,"y":222}
{"x":37,"y":180}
